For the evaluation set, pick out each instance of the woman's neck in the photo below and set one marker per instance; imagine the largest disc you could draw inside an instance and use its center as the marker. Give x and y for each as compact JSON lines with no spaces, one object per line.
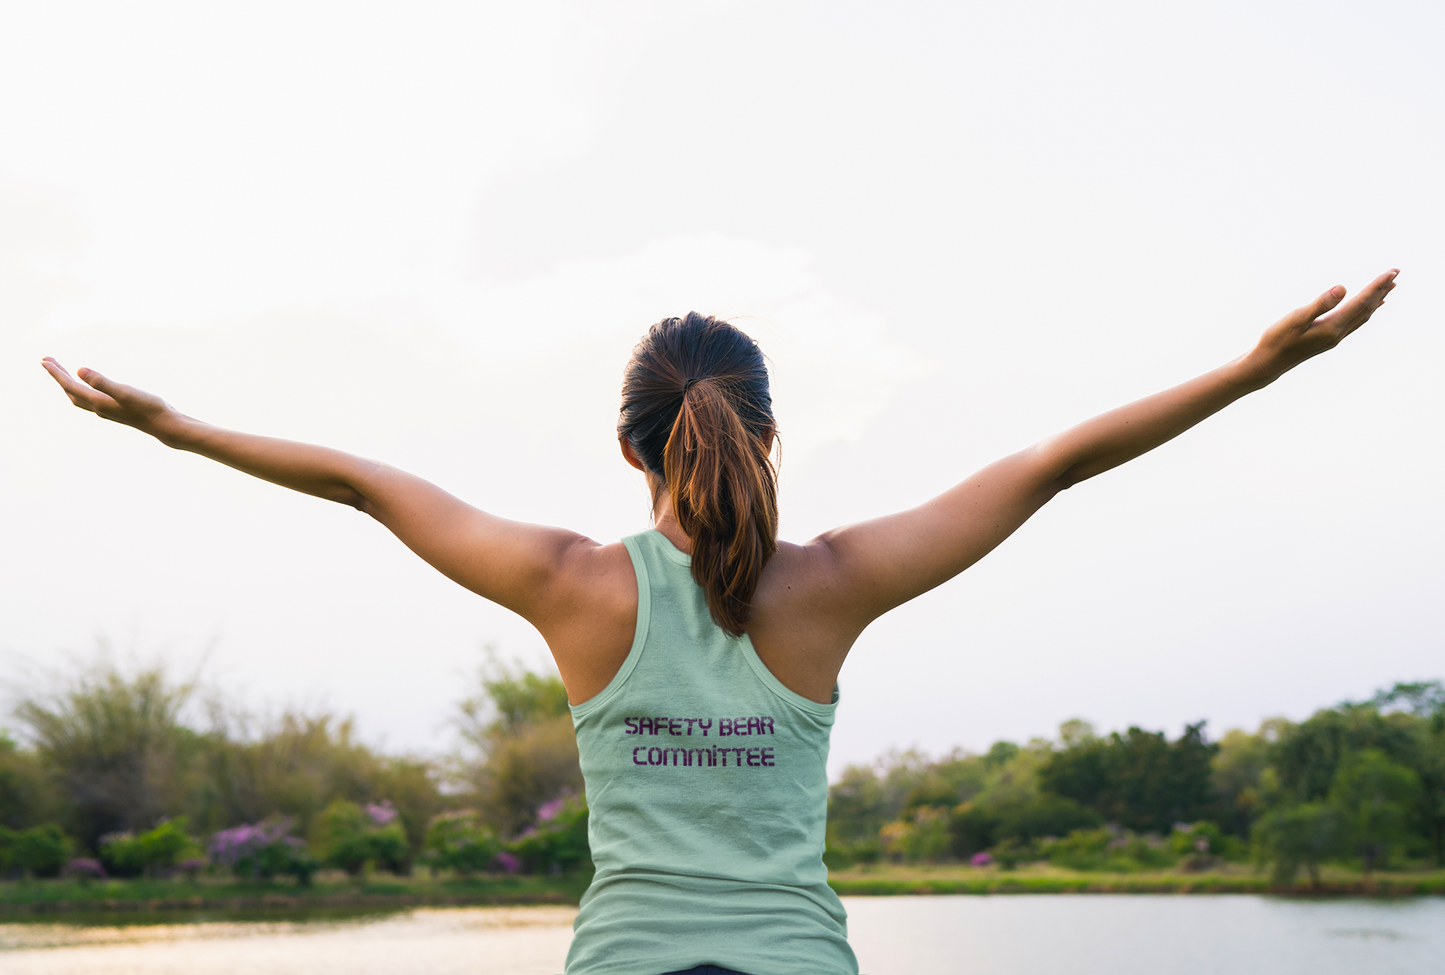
{"x":665,"y":521}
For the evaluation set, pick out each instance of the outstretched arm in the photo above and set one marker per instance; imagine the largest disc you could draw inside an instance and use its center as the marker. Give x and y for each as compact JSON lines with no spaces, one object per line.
{"x":877,"y":565}
{"x":511,"y":563}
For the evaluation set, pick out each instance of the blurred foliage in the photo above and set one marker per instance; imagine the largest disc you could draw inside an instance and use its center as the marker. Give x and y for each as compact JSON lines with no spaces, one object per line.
{"x":1375,"y":797}
{"x":354,"y":838}
{"x":29,"y":796}
{"x":1359,"y":783}
{"x":1304,"y":834}
{"x":116,"y":749}
{"x":523,"y":750}
{"x":149,"y":853}
{"x":117,"y":765}
{"x":557,"y":843}
{"x":459,"y":841}
{"x":263,"y":850}
{"x":1238,"y":765}
{"x":121,"y":766}
{"x":40,"y":851}
{"x":1139,"y":779}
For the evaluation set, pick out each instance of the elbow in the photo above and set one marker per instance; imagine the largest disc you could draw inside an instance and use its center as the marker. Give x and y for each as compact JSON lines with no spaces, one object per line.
{"x":1053,"y":470}
{"x":1066,"y":480}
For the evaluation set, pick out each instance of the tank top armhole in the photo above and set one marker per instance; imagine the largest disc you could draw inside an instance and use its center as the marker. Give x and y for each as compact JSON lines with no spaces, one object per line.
{"x":639,"y":636}
{"x":783,"y":691}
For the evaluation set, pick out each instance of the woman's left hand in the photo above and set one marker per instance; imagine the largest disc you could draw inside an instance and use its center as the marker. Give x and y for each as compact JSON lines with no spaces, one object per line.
{"x":1317,"y":327}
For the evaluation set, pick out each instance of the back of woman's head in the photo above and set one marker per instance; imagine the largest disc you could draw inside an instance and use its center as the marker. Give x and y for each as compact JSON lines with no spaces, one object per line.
{"x":697,"y":412}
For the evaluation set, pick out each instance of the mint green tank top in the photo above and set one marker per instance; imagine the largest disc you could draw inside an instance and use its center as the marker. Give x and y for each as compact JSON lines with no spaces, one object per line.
{"x":707,"y":784}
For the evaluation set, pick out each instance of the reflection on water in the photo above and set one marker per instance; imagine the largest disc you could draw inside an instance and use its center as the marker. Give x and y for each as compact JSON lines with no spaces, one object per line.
{"x":1002,"y":935}
{"x":476,"y":941}
{"x":1147,"y":935}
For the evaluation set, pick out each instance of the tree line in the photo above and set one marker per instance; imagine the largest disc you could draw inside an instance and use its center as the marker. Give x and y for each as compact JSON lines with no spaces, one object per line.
{"x":1361,"y":783}
{"x":110,"y":773}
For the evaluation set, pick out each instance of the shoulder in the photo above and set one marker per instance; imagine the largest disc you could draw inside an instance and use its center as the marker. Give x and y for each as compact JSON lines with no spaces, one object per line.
{"x":798,"y":576}
{"x":589,"y":613}
{"x":802,"y":628}
{"x":593,"y":572}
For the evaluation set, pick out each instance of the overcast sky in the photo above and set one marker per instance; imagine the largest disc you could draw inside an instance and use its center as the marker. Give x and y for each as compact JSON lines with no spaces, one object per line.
{"x":432,"y":233}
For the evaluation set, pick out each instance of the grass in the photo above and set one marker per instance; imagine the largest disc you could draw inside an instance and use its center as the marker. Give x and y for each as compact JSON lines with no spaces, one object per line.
{"x":336,"y":894}
{"x":885,"y":879}
{"x":330,"y":892}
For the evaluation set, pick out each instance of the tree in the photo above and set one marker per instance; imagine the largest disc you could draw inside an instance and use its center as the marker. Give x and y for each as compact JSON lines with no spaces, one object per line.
{"x":1432,"y":784}
{"x":1425,"y":701}
{"x":28,"y":796}
{"x":1374,"y":797}
{"x":1139,"y":779}
{"x":1308,"y":754}
{"x":524,"y":745}
{"x":1301,"y":835}
{"x":117,"y":748}
{"x":1237,"y":770}
{"x":40,"y":851}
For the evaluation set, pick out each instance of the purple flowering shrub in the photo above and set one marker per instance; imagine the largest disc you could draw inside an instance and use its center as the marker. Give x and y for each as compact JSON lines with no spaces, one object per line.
{"x":354,"y":836}
{"x":85,"y":869}
{"x":381,"y":813}
{"x":459,"y":841}
{"x":557,"y":842}
{"x":263,"y":850}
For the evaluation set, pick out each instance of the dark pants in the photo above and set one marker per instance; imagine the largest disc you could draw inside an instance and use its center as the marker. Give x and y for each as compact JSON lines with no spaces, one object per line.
{"x":705,"y":970}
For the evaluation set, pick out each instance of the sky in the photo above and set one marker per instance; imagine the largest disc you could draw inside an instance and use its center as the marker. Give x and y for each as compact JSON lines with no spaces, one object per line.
{"x":431,"y":234}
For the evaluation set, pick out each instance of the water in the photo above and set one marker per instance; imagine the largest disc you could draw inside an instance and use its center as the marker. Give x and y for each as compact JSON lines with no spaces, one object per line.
{"x":1013,"y":935}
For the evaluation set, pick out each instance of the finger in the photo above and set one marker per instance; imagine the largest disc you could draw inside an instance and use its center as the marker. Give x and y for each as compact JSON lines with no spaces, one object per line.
{"x":1323,"y":303}
{"x":97,"y":381}
{"x":74,"y":387}
{"x":80,"y":394}
{"x":1358,"y":311}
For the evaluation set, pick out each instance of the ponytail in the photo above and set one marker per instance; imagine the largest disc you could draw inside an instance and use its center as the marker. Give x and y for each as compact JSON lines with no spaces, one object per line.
{"x":725,"y":495}
{"x":697,"y":411}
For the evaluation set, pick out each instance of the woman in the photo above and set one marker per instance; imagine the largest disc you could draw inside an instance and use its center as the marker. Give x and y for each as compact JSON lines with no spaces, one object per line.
{"x":701,"y":657}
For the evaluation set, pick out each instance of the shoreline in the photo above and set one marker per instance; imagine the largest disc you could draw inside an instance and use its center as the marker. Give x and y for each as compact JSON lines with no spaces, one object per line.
{"x":883,"y":880}
{"x":174,"y":899}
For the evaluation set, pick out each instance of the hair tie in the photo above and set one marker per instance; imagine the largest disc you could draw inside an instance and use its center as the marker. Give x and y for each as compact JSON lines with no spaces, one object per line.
{"x":689,"y":384}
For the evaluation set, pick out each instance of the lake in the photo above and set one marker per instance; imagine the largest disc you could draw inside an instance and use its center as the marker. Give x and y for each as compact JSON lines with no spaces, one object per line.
{"x":999,"y":935}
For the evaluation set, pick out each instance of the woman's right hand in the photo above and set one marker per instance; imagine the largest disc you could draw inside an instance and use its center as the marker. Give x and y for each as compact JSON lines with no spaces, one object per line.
{"x":112,"y":400}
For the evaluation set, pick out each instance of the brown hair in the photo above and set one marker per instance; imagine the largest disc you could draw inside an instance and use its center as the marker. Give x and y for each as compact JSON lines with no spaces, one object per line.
{"x":697,"y":412}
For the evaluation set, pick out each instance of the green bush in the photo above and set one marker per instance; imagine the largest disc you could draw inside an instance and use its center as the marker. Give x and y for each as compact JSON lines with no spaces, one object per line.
{"x":1302,"y":835}
{"x":1375,"y":798}
{"x":150,"y":853}
{"x":1009,"y":852}
{"x":353,"y":837}
{"x":1045,"y":815}
{"x":1105,"y":850}
{"x":459,"y":841}
{"x":558,"y":841}
{"x":840,"y":854}
{"x":1198,"y":839}
{"x":40,"y":851}
{"x":972,"y":828}
{"x":922,"y":834}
